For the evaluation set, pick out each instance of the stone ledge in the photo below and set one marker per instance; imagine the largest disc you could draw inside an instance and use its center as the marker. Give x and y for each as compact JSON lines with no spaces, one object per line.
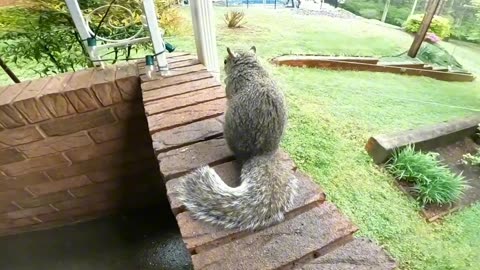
{"x":360,"y":254}
{"x":282,"y":244}
{"x":184,"y":100}
{"x":175,"y":80}
{"x":188,"y":134}
{"x":199,"y":236}
{"x":173,"y":90}
{"x":187,"y":115}
{"x":188,"y":138}
{"x":179,"y":161}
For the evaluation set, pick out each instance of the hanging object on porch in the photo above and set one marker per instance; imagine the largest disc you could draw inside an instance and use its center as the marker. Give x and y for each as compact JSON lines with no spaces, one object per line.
{"x":148,"y":32}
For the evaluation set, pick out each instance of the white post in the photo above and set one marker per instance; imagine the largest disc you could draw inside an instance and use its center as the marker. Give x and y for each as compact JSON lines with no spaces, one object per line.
{"x":78,"y":19}
{"x":82,"y":29}
{"x":205,"y":37}
{"x":157,"y":40}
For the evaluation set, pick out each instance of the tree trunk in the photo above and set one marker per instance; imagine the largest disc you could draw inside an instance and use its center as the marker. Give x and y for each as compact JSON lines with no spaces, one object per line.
{"x":420,"y":36}
{"x":385,"y":10}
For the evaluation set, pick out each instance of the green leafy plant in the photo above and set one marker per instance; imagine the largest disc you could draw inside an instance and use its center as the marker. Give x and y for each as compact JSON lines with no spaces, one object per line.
{"x":440,"y":26}
{"x":433,"y":182}
{"x":434,"y":53}
{"x":234,"y":19}
{"x":43,"y":31}
{"x":472,"y":159}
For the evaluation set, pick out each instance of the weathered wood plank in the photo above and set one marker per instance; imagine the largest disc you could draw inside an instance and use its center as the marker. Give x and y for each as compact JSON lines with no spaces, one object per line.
{"x":343,"y":65}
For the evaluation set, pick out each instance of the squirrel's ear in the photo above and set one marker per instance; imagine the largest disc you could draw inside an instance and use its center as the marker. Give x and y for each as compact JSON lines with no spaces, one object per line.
{"x":253,"y":49}
{"x":230,"y":53}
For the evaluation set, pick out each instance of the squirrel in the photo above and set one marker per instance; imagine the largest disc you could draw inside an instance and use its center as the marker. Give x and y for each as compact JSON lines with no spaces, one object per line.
{"x":255,"y":121}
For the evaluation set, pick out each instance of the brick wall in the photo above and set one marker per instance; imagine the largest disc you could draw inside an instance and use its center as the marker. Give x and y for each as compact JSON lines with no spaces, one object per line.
{"x":73,"y":147}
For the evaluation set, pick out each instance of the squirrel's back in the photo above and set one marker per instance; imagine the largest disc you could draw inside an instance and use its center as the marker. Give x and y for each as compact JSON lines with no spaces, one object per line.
{"x":254,"y":125}
{"x":256,"y":115}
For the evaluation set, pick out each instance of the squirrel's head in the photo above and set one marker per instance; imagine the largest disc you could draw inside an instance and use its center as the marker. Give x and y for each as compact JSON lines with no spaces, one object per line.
{"x":234,"y":58}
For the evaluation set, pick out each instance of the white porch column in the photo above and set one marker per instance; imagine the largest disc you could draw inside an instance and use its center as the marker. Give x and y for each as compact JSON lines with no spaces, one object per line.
{"x":205,"y":37}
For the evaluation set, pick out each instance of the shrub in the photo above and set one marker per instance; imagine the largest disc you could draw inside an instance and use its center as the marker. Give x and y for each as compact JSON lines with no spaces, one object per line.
{"x":169,"y":16}
{"x":433,"y":182}
{"x":435,"y":54}
{"x":234,"y":19}
{"x":475,"y":158}
{"x":472,"y":159}
{"x":440,"y":26}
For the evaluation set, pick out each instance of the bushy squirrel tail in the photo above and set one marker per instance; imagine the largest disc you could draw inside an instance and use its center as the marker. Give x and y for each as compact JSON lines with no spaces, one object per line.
{"x":266,"y":192}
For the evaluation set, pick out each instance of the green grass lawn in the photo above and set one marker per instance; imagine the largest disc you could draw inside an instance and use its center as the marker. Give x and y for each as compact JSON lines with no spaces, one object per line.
{"x":332,"y":114}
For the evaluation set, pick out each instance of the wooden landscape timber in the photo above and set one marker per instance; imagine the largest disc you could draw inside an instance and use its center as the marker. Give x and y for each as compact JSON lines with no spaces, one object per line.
{"x":351,"y":63}
{"x":450,"y":140}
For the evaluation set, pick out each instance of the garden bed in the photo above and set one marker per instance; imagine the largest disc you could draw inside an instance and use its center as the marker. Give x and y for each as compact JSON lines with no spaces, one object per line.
{"x":451,"y":140}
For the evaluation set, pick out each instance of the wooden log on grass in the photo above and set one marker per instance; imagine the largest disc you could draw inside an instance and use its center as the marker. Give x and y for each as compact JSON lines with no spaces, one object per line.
{"x":308,"y":58}
{"x":315,"y":62}
{"x":381,"y":147}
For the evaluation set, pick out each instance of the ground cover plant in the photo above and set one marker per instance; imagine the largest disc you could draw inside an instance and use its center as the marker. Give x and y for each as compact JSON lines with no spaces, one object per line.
{"x":473,"y":159}
{"x":432,"y":182}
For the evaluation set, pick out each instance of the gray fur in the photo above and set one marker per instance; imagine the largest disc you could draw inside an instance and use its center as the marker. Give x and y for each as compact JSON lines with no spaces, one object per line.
{"x":254,"y":124}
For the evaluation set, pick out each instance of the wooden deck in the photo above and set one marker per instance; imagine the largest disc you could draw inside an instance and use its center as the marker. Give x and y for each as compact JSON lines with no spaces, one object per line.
{"x":184,"y":113}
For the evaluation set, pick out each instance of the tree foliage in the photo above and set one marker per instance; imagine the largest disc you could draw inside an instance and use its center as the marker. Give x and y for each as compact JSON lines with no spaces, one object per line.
{"x":465,"y":14}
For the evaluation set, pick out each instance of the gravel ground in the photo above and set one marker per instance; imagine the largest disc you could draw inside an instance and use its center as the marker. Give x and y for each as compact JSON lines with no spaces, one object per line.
{"x":311,"y":8}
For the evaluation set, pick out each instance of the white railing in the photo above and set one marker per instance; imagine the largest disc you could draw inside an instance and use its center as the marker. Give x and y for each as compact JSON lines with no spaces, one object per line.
{"x":150,"y":27}
{"x":203,"y":26}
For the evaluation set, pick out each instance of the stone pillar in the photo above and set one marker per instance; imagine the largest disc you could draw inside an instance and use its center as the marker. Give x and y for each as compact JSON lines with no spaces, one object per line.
{"x":205,"y":37}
